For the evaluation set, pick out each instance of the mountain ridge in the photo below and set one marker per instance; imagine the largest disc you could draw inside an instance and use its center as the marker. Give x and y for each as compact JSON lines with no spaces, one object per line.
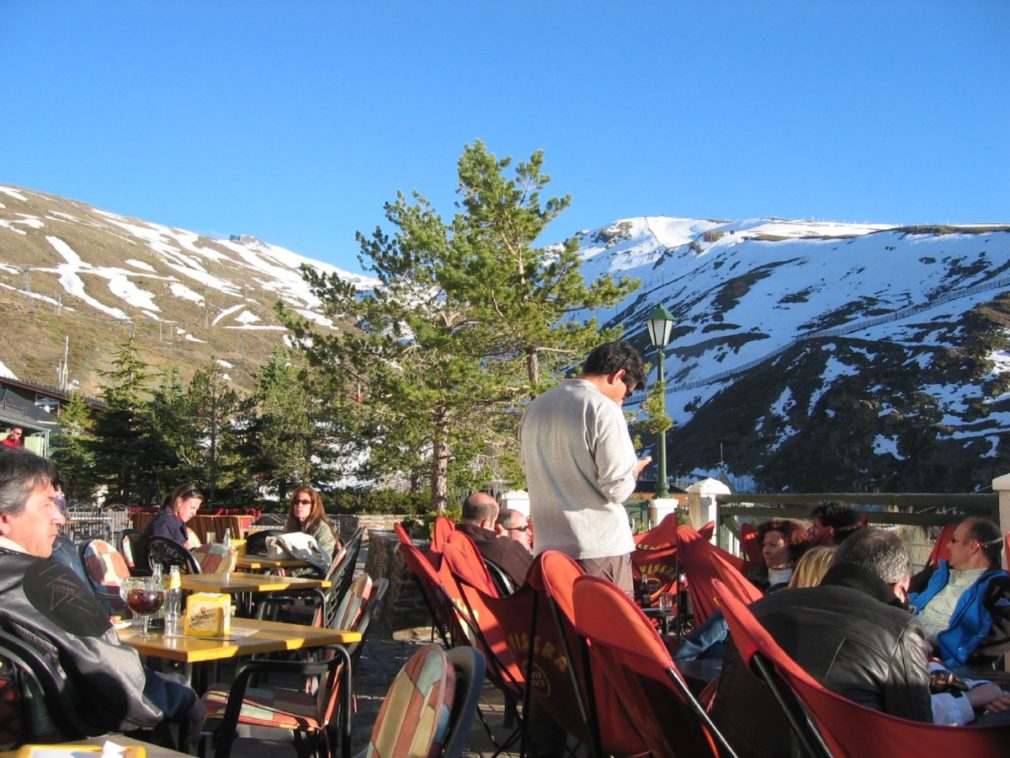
{"x":789,"y":332}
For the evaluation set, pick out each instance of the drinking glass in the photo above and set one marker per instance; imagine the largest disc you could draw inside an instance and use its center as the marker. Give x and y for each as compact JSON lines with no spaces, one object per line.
{"x":144,"y":596}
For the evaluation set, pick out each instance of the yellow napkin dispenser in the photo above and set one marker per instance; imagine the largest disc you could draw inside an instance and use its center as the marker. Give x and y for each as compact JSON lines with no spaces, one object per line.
{"x":208,"y":614}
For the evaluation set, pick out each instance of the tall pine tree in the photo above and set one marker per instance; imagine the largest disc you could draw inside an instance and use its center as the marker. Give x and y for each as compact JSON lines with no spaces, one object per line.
{"x":465,"y":316}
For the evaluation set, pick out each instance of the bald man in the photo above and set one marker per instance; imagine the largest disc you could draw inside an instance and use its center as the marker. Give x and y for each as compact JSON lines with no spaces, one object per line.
{"x":480,"y":511}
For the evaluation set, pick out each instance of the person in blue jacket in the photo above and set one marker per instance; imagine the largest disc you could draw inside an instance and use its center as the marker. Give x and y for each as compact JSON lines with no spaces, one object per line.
{"x":964,"y":603}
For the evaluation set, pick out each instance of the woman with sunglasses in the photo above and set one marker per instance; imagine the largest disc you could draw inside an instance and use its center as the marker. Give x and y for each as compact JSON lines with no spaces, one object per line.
{"x":306,"y":514}
{"x":178,"y":508}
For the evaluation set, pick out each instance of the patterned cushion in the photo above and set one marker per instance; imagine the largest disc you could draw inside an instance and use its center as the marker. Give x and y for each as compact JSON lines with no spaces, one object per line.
{"x":280,"y":708}
{"x":353,"y":603}
{"x":415,"y":715}
{"x":215,"y":558}
{"x":106,"y":570}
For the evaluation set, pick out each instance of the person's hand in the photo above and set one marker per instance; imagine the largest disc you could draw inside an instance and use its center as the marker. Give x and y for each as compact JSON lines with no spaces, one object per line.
{"x":988,"y":697}
{"x":642,"y":463}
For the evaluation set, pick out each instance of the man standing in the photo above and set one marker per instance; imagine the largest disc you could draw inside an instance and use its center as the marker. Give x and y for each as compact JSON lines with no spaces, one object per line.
{"x":580,"y":464}
{"x":964,"y":604}
{"x":477,"y":522}
{"x":45,"y":603}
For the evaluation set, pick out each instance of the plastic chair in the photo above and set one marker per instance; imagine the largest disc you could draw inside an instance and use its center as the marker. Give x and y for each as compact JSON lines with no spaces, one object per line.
{"x":638,"y":669}
{"x":106,"y":569}
{"x":125,"y":543}
{"x":168,"y":553}
{"x":304,"y":714}
{"x":39,"y":704}
{"x":827,"y":724}
{"x":430,"y":705}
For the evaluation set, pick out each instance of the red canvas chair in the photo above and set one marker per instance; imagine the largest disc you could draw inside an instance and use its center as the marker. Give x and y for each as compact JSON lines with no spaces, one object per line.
{"x":828,"y":724}
{"x":664,"y":534}
{"x":461,"y":609}
{"x":633,"y":660}
{"x":554,"y":665}
{"x":695,"y":553}
{"x":402,"y":534}
{"x":440,"y":532}
{"x":749,"y":545}
{"x":941,"y":548}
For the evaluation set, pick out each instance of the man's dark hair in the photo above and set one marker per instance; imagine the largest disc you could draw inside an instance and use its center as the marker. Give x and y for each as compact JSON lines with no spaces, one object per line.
{"x":479,"y":506}
{"x":611,"y":357}
{"x":839,"y":516}
{"x":988,"y":536}
{"x":21,"y":472}
{"x":879,"y":551}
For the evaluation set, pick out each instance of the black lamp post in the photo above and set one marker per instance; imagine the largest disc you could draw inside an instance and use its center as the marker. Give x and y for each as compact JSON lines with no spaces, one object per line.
{"x":660,"y":323}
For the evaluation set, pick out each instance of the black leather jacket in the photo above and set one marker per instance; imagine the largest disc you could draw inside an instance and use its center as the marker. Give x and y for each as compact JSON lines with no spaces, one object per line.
{"x":850,"y":634}
{"x":44,"y":603}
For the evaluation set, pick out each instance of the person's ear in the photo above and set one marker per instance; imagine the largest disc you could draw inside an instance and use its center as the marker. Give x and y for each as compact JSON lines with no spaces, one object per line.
{"x":500,"y":530}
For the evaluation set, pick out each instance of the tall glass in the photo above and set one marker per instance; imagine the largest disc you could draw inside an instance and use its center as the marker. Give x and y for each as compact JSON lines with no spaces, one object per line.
{"x":144,"y":596}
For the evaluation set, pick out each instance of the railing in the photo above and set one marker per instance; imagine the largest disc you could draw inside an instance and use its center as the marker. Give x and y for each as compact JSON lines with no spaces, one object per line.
{"x":928,"y":511}
{"x":92,"y":523}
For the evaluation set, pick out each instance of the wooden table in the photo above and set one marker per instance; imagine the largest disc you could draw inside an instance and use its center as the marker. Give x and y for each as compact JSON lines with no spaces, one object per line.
{"x":239,"y":582}
{"x":259,"y":563}
{"x":266,"y":637}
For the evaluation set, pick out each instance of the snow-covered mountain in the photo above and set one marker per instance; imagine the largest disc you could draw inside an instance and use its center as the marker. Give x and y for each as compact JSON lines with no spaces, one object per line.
{"x":68,"y":269}
{"x":806,"y":354}
{"x":864,"y":355}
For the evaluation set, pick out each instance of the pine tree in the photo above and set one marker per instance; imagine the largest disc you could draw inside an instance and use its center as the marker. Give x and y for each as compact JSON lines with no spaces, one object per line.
{"x":125,"y":446}
{"x":465,"y":315}
{"x":71,"y":452}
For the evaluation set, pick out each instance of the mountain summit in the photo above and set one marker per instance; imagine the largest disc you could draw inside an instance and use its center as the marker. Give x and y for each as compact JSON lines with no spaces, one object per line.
{"x":825,"y":356}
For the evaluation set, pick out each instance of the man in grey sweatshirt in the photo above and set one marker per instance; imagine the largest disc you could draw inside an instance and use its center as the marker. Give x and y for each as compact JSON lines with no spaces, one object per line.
{"x":580,"y":464}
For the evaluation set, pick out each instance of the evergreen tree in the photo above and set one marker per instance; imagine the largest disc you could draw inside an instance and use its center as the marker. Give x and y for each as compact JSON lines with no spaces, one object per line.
{"x":286,"y":441}
{"x":71,"y":451}
{"x":213,"y":404}
{"x":125,"y":446}
{"x":460,"y":324}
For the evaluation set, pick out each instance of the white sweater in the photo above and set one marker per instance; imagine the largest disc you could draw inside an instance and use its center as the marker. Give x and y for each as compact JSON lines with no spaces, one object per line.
{"x":580,"y":468}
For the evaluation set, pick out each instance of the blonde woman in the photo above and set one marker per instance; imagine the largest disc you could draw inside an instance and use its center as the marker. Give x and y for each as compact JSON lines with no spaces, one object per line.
{"x":812,"y":567}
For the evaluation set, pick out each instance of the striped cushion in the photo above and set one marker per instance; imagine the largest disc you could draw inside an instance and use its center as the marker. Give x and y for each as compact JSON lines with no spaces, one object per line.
{"x":415,"y":715}
{"x":215,"y":558}
{"x":353,"y":602}
{"x":106,"y":570}
{"x":280,"y":708}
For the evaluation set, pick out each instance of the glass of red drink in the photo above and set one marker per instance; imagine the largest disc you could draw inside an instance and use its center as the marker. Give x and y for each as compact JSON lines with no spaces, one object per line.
{"x":144,"y":596}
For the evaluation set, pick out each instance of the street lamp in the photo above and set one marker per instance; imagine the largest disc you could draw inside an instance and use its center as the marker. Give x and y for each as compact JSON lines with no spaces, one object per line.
{"x":660,"y":323}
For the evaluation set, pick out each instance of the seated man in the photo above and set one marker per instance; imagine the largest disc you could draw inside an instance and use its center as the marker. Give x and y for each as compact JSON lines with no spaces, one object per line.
{"x":514,"y":525}
{"x":477,"y":522}
{"x":964,"y":604}
{"x":851,"y":633}
{"x":832,"y":522}
{"x":45,"y":603}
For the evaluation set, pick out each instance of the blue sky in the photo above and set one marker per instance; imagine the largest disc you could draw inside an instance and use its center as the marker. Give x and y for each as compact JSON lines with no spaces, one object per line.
{"x":295,"y":120}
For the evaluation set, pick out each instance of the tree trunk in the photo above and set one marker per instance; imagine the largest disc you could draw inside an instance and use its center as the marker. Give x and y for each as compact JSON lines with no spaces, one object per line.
{"x":440,"y":462}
